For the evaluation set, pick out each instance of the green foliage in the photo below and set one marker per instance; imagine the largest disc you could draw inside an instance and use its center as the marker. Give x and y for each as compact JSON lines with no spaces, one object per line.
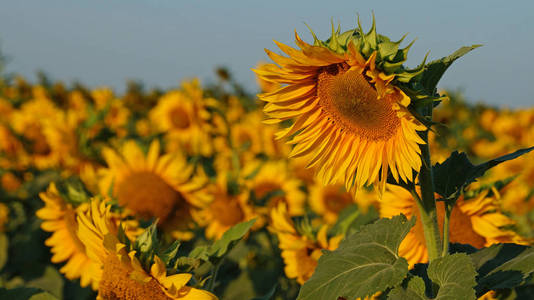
{"x":455,"y":275}
{"x":4,"y":247}
{"x":503,"y":266}
{"x":434,"y":70}
{"x":24,"y":293}
{"x":364,"y":263}
{"x":415,"y":289}
{"x":457,"y":172}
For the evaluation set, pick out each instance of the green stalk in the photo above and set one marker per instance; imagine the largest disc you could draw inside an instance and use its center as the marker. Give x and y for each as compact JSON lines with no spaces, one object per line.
{"x":448,"y":211}
{"x":426,"y":203}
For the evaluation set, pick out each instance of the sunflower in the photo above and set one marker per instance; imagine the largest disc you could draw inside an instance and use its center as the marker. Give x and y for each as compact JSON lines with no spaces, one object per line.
{"x":350,"y":117}
{"x":59,"y":218}
{"x":182,"y":115}
{"x":228,"y":208}
{"x":154,"y":186}
{"x":477,"y":222}
{"x":4,"y":216}
{"x":300,"y":252}
{"x":121,"y":275}
{"x":272,"y":183}
{"x":328,"y":201}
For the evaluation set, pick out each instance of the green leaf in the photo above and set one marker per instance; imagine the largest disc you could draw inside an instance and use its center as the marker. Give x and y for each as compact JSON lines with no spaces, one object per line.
{"x":365,"y":263}
{"x":51,"y":281}
{"x":503,"y":266}
{"x":457,"y":172}
{"x":147,"y":245}
{"x":25,"y":293}
{"x":229,"y":239}
{"x":435,"y":69}
{"x":415,"y":289}
{"x":455,"y":275}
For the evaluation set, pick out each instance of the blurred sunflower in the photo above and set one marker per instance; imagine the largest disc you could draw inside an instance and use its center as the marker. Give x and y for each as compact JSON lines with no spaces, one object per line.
{"x":121,"y":275}
{"x":477,"y":222}
{"x":350,"y":117}
{"x":4,"y":216}
{"x":228,"y":208}
{"x":272,"y":183}
{"x":329,"y":200}
{"x":300,"y":252}
{"x":59,"y":218}
{"x":153,"y":186}
{"x":182,"y":115}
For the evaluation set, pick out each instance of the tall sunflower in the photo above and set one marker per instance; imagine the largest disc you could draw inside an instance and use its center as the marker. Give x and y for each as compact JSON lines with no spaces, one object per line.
{"x":350,"y":116}
{"x":477,"y":222}
{"x":122,"y":276}
{"x":154,"y":185}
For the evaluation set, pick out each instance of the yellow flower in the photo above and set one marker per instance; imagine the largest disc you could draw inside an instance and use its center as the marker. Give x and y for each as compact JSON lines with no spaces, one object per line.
{"x":154,"y":186}
{"x":182,"y":115}
{"x":300,"y":253}
{"x":350,"y":119}
{"x":225,"y":210}
{"x":273,"y":180}
{"x":266,"y":86}
{"x":59,"y":217}
{"x":477,"y":222}
{"x":9,"y":182}
{"x":121,"y":275}
{"x":328,"y":201}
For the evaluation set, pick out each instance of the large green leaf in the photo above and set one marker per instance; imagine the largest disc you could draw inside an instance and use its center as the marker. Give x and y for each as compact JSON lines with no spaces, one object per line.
{"x":455,"y":275}
{"x":503,"y":266}
{"x":415,"y":290}
{"x":365,"y":263}
{"x":435,"y":69}
{"x":457,"y":172}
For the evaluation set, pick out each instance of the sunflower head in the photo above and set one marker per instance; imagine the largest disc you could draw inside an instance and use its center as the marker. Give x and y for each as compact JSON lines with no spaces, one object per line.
{"x":350,"y":113}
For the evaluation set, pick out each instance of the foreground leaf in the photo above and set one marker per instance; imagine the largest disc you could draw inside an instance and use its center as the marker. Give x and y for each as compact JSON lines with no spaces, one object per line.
{"x":365,"y":263}
{"x":455,"y":275}
{"x":24,"y":293}
{"x":503,"y":266}
{"x":415,"y":290}
{"x":457,"y":172}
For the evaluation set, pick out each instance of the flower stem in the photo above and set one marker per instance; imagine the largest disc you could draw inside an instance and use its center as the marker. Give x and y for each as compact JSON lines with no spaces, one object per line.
{"x":448,"y":211}
{"x":427,"y":203}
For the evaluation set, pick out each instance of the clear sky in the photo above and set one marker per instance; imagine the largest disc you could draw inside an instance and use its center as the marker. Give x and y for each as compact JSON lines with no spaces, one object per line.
{"x":105,"y":42}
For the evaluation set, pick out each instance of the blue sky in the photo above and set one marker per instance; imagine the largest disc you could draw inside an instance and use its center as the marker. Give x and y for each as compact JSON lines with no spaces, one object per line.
{"x":103,"y":42}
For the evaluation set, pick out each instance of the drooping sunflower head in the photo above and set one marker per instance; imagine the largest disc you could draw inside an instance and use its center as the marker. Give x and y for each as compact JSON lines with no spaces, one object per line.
{"x":350,"y":116}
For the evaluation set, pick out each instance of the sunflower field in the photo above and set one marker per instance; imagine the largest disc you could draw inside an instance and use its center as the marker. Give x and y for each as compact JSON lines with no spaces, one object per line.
{"x":349,"y":176}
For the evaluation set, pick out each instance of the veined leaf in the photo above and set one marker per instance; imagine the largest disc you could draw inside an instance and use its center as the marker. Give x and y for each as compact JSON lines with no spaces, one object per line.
{"x":457,"y":172}
{"x":415,"y":290}
{"x":503,"y":266}
{"x":365,"y":263}
{"x":455,"y":275}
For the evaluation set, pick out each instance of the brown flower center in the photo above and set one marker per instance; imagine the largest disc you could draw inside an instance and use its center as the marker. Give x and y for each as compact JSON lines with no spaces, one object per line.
{"x":116,"y":284}
{"x":227,"y":211}
{"x":180,"y":118}
{"x":335,"y":201}
{"x":352,"y":102}
{"x":39,"y":145}
{"x":148,"y":195}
